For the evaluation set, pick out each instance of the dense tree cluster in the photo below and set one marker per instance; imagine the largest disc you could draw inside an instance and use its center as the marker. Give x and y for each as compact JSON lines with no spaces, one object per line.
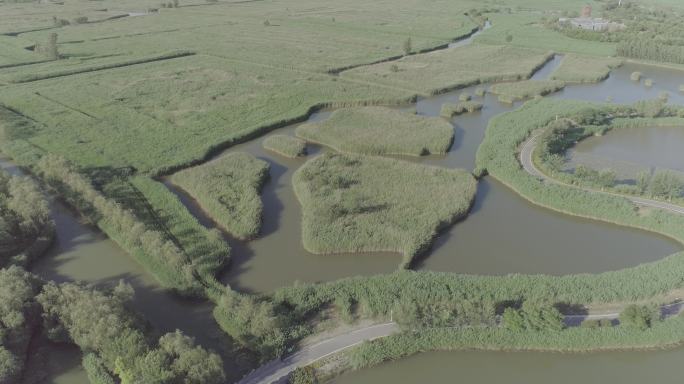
{"x":103,"y":326}
{"x":533,"y":317}
{"x":24,"y":218}
{"x":19,"y":318}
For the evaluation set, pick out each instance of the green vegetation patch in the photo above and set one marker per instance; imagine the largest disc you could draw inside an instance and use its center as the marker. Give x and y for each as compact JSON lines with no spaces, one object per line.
{"x":380,"y":131}
{"x":585,"y":69}
{"x":448,"y":69}
{"x":356,"y":203}
{"x":450,"y":110}
{"x":228,"y":189}
{"x":284,"y":145}
{"x":510,"y":92}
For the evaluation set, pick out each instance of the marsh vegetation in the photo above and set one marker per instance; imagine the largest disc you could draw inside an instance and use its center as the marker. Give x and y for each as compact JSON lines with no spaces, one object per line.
{"x":380,"y":131}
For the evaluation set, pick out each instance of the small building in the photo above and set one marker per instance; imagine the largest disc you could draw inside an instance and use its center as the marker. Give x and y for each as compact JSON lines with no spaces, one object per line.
{"x":585,"y":21}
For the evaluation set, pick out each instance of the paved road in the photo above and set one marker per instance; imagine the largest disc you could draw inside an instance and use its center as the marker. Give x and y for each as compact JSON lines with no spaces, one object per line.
{"x":277,"y":370}
{"x":527,"y":151}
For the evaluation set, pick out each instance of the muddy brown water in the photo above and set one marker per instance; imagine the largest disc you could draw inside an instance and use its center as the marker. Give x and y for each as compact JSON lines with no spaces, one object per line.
{"x":490,"y":241}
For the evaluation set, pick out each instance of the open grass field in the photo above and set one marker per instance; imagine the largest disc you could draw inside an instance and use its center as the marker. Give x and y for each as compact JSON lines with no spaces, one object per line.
{"x":521,"y":90}
{"x":284,"y":145}
{"x":357,"y":203}
{"x":527,"y":31}
{"x":439,"y":71}
{"x":380,"y":131}
{"x":229,"y":190}
{"x":585,"y":69}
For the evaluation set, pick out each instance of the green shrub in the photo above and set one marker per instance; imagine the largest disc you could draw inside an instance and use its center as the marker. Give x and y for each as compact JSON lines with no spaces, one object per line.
{"x":639,"y":316}
{"x":635,"y":76}
{"x":96,"y":370}
{"x":648,"y":82}
{"x":464,"y":97}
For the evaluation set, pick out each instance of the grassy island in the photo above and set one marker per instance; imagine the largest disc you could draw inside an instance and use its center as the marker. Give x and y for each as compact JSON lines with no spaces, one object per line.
{"x":511,"y":92}
{"x":287,"y":146}
{"x":228,"y":189}
{"x":380,"y":131}
{"x":585,"y":69}
{"x":355,"y":203}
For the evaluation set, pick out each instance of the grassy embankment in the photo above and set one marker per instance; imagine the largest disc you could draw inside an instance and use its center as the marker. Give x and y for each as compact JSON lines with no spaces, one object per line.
{"x":229,"y":188}
{"x":355,"y":203}
{"x":511,"y":92}
{"x":585,"y":69}
{"x":284,"y":145}
{"x":380,"y":131}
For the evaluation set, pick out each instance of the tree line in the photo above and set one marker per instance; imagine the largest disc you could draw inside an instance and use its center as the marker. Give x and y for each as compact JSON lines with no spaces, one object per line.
{"x":102,"y":325}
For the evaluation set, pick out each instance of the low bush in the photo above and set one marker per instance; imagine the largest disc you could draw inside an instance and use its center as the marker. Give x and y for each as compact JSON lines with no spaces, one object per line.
{"x":229,"y":189}
{"x":635,"y":76}
{"x":380,"y":131}
{"x":287,"y":146}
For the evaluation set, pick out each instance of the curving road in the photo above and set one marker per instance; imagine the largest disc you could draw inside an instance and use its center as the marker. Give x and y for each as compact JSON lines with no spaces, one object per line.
{"x":277,"y":370}
{"x":527,"y":150}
